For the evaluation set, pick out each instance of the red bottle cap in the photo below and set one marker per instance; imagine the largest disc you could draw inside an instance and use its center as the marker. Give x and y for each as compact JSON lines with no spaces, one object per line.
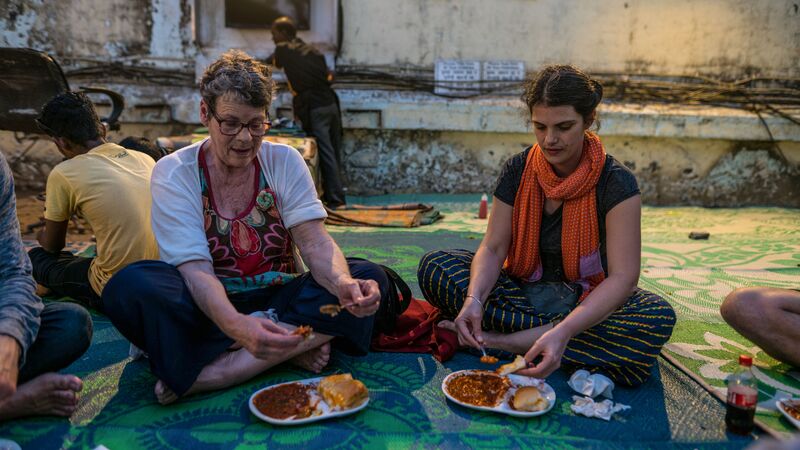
{"x":745,"y":360}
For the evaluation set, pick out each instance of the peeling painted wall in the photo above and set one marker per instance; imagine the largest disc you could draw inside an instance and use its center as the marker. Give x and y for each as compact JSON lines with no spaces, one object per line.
{"x":99,"y":29}
{"x":394,"y":145}
{"x":673,"y":37}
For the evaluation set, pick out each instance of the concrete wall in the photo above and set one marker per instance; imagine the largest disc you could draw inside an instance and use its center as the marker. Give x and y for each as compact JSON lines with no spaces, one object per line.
{"x":674,"y":37}
{"x":100,"y":30}
{"x":670,"y":171}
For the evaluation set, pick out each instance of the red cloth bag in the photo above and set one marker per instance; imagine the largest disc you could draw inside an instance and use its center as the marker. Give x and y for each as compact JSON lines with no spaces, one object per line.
{"x":416,"y":332}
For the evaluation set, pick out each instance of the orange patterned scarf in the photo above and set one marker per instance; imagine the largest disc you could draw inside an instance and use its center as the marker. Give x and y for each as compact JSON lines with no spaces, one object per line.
{"x":580,"y":235}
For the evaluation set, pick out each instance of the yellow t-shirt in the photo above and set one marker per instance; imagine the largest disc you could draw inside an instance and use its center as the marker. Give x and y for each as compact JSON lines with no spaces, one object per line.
{"x":108,"y":186}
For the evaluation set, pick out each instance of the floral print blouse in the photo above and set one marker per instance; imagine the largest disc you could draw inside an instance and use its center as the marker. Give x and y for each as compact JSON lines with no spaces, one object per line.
{"x":254,"y":249}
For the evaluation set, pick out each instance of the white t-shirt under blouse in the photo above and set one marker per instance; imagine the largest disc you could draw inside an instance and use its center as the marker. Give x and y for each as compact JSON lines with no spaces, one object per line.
{"x":177,"y":209}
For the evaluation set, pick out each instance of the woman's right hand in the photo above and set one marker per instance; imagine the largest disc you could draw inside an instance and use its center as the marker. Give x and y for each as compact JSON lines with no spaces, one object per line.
{"x":468,"y":323}
{"x":264,"y":338}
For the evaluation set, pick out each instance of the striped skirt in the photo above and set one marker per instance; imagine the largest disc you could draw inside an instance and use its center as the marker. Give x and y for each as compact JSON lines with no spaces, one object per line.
{"x":624,"y":347}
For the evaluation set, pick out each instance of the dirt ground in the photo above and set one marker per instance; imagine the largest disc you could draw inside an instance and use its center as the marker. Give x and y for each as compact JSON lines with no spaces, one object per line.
{"x":30,"y":210}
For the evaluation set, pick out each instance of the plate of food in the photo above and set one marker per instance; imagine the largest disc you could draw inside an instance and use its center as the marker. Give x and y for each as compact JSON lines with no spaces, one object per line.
{"x":309,"y":400}
{"x":515,"y":395}
{"x":791,"y":409}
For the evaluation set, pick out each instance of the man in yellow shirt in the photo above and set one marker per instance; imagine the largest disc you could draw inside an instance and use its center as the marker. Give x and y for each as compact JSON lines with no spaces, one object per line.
{"x":104,"y":183}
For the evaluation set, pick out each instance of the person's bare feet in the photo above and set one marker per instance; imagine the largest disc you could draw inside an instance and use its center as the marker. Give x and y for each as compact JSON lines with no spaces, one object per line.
{"x":518,"y":342}
{"x":489,"y":337}
{"x":50,"y":394}
{"x":164,"y":394}
{"x":315,"y":359}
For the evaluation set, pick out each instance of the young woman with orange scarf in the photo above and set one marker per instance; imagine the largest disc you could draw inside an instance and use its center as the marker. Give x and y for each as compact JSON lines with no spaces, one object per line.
{"x":555,"y":277}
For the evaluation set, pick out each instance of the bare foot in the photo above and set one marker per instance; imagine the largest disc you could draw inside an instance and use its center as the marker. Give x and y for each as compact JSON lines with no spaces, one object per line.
{"x":518,"y":343}
{"x":51,"y":394}
{"x":315,"y":359}
{"x":164,"y":394}
{"x":450,"y":325}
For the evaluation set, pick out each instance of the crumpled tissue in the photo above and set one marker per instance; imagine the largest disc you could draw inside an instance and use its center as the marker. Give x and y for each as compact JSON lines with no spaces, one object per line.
{"x":591,"y":385}
{"x":586,"y":406}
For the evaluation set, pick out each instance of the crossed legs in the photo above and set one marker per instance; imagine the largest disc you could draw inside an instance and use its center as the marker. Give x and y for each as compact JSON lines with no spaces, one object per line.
{"x":235,"y":367}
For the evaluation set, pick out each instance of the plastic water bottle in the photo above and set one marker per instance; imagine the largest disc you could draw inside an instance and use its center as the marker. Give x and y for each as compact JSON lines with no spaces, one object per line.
{"x":742,"y":398}
{"x":483,"y":208}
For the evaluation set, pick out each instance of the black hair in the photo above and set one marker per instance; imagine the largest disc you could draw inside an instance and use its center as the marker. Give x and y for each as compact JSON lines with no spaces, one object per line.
{"x":563,"y":85}
{"x":285,"y":26}
{"x":71,"y":116}
{"x":144,"y":145}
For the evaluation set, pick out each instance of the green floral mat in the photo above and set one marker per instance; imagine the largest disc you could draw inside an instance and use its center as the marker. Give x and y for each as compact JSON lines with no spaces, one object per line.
{"x":747,"y":247}
{"x":407,"y":409}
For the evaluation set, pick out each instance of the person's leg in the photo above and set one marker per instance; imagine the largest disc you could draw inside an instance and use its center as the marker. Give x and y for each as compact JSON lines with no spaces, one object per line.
{"x":149,"y":303}
{"x":322,"y":121}
{"x":510,"y":323}
{"x":299,"y":301}
{"x":64,"y":335}
{"x":335,"y":133}
{"x":65,"y":274}
{"x":624,"y":347}
{"x":232,"y":368}
{"x":769,"y":317}
{"x":151,"y":306}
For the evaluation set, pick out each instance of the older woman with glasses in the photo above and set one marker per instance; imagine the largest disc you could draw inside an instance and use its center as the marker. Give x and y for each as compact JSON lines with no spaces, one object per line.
{"x":228,"y":213}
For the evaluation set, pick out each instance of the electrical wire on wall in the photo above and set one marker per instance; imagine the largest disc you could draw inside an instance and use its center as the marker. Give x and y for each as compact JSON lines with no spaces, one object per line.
{"x":760,"y":95}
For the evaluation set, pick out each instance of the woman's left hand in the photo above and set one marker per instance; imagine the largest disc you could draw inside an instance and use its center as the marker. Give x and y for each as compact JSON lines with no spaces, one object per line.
{"x":551,"y":348}
{"x":360,"y":297}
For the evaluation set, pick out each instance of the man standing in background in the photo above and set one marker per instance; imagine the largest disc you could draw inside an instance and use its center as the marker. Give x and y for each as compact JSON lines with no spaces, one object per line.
{"x":314,"y":102}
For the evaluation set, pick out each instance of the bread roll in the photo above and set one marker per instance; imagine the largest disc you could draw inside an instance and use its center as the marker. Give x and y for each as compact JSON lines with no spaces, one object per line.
{"x":528,"y":398}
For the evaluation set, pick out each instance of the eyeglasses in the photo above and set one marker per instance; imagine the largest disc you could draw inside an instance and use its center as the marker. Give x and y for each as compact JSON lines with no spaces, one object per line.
{"x":232,"y":127}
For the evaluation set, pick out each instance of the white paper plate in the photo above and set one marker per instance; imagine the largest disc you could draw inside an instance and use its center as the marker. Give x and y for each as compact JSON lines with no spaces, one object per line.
{"x":503,"y":408}
{"x":326,"y":412}
{"x":788,"y":416}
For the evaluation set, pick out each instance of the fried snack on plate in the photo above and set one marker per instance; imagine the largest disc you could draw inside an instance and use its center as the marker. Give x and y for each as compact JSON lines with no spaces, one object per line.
{"x":528,"y":398}
{"x":479,"y":388}
{"x":342,"y":391}
{"x":486,"y":359}
{"x":792,"y":407}
{"x":304,"y":330}
{"x":331,"y":309}
{"x":519,"y":363}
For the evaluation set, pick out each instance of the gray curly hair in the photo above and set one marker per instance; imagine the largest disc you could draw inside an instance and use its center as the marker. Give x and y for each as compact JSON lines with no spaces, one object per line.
{"x":239,"y":74}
